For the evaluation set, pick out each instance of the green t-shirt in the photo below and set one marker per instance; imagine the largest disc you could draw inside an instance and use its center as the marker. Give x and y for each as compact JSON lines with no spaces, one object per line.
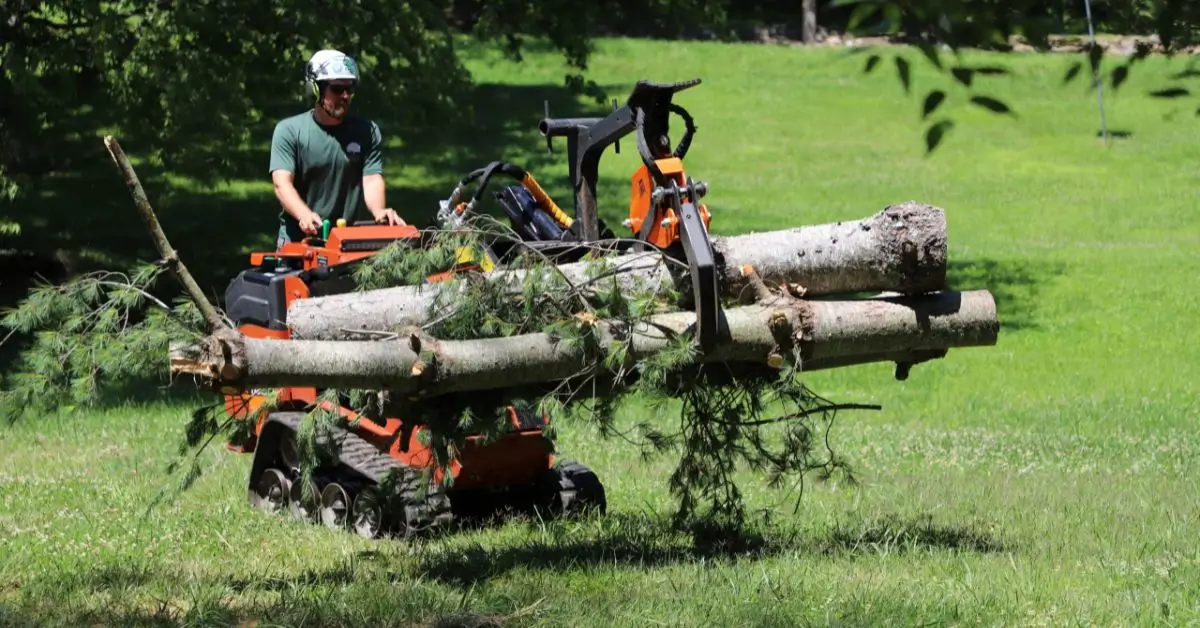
{"x":318,"y":158}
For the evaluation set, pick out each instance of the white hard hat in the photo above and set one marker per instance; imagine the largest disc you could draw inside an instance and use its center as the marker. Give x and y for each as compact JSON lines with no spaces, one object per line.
{"x":329,"y":65}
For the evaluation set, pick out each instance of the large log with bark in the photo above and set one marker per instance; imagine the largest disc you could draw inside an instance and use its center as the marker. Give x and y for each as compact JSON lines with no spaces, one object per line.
{"x":902,"y":249}
{"x":827,"y":333}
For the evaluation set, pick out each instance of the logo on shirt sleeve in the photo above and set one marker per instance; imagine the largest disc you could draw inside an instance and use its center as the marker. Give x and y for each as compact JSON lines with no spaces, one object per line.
{"x":354,"y":153}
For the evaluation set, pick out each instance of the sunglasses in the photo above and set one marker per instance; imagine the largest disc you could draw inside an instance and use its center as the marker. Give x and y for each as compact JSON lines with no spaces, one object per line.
{"x":341,"y":89}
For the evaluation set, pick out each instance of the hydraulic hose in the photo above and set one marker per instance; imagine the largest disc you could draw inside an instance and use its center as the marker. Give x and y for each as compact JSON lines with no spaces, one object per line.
{"x":689,"y":132}
{"x":546,"y":202}
{"x":526,"y":179}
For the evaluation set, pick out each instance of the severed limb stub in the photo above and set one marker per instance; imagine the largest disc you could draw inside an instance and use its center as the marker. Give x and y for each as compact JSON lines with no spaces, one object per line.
{"x":777,"y":322}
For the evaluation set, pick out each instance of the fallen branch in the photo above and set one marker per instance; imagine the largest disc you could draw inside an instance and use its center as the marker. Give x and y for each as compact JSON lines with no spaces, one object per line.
{"x":168,"y":255}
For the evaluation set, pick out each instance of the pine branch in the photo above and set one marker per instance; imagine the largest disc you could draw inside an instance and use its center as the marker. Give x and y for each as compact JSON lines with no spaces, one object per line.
{"x":85,"y":331}
{"x":806,"y":413}
{"x":149,"y":297}
{"x":96,"y":330}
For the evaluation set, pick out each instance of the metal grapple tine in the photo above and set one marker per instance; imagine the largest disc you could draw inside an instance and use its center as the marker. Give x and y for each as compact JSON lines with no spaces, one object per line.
{"x":702,"y":265}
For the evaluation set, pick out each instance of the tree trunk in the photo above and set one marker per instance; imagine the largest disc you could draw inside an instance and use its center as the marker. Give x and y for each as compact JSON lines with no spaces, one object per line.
{"x":900,"y":249}
{"x":828,"y":334}
{"x":809,"y":27}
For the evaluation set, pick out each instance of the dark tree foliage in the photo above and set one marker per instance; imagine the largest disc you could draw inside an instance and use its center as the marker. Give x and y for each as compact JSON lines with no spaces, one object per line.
{"x":201,"y":79}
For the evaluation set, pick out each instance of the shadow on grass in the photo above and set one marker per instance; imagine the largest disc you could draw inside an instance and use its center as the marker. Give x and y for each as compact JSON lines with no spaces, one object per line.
{"x":219,"y":614}
{"x":1015,"y":284}
{"x":382,"y":585}
{"x":894,"y":534}
{"x":113,"y":595}
{"x":644,"y":541}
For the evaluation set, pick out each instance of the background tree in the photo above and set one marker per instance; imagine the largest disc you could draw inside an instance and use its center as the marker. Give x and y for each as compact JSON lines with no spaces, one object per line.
{"x":201,"y":81}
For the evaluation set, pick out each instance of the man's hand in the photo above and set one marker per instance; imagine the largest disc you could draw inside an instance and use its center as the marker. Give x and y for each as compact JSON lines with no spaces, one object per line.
{"x":311,"y":223}
{"x":388,"y":216}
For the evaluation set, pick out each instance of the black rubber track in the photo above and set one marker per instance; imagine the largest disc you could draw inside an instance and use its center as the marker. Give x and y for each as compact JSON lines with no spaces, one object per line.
{"x":415,"y":507}
{"x":411,"y":511}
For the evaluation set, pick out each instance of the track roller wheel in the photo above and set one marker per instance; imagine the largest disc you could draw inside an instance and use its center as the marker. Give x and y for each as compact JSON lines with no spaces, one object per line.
{"x":335,"y":505}
{"x":304,"y":504}
{"x":271,"y":491}
{"x":367,"y":515}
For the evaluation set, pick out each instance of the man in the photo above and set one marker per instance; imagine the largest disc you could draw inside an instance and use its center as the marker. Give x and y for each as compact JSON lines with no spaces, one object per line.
{"x":325,"y":163}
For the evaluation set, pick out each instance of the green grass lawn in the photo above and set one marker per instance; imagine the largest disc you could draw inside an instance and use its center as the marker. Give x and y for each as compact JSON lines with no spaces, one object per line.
{"x":1049,"y":480}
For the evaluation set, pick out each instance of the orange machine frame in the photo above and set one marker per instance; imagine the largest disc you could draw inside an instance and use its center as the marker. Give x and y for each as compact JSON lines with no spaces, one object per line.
{"x":642,"y":206}
{"x":517,"y":456}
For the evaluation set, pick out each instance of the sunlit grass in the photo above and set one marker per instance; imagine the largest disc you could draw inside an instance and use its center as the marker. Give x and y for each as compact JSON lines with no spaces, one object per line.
{"x":1049,"y":480}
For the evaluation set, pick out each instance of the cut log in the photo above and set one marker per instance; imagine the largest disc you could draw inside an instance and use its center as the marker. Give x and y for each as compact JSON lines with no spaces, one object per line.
{"x":900,"y":249}
{"x":828,"y":334}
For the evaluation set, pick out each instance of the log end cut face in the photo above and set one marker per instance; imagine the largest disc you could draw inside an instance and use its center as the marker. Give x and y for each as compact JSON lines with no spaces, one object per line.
{"x":911,"y":239}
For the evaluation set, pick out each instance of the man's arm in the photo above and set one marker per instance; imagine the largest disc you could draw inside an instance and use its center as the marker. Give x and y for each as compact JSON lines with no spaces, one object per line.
{"x":374,"y":193}
{"x":283,"y":167}
{"x":285,"y":191}
{"x":373,"y":185}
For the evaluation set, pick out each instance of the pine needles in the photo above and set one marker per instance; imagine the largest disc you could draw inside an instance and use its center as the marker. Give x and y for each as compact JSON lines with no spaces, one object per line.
{"x":98,"y":333}
{"x":108,"y":329}
{"x":725,"y":421}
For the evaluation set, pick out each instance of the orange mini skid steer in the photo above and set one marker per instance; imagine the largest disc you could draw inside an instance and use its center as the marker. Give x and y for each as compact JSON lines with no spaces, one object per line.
{"x":377,"y":483}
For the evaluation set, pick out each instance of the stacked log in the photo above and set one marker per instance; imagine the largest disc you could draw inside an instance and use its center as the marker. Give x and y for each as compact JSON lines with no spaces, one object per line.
{"x":792,"y":295}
